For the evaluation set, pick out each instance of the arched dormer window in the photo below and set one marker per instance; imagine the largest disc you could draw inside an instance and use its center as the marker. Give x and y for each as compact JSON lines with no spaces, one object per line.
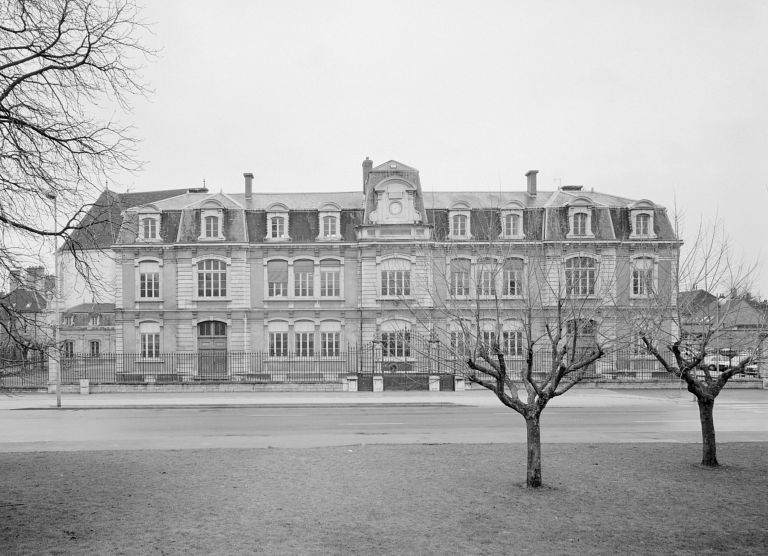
{"x":277,"y":223}
{"x":149,"y":223}
{"x":459,"y":219}
{"x":211,"y":221}
{"x":580,"y":218}
{"x":641,"y":220}
{"x":512,"y":221}
{"x":330,"y":218}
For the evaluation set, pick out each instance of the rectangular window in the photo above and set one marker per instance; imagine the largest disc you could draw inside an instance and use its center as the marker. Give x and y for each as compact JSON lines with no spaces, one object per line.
{"x":68,"y":320}
{"x":305,"y":343}
{"x":69,"y":348}
{"x":329,"y":281}
{"x":486,"y":283}
{"x":211,"y":226}
{"x":330,"y":344}
{"x":149,"y":228}
{"x":396,"y":344}
{"x":488,"y":339}
{"x":150,"y":345}
{"x":512,"y":225}
{"x":329,"y":226}
{"x":211,"y":278}
{"x":513,"y":273}
{"x":513,"y":343}
{"x":642,"y":277}
{"x":277,"y":278}
{"x":580,"y":276}
{"x":459,"y":279}
{"x":278,"y":344}
{"x":277,"y":227}
{"x":303,"y":278}
{"x":149,"y":280}
{"x":395,"y":282}
{"x":95,"y":320}
{"x":459,"y":343}
{"x":579,"y":224}
{"x":95,"y":348}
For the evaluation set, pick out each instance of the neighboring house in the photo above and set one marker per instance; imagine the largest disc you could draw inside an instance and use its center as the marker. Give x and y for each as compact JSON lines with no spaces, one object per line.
{"x":740,"y":325}
{"x":88,"y":329}
{"x":311,"y":273}
{"x":24,"y":321}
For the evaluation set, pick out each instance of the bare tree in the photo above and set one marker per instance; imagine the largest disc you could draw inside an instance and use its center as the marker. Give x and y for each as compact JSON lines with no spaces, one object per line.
{"x":66,"y":68}
{"x":525,"y":323}
{"x":700,"y":338}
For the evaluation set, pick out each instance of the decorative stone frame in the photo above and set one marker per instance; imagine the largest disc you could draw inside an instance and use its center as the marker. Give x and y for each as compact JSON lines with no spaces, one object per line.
{"x":460,"y":209}
{"x":512,"y":209}
{"x":151,"y":213}
{"x":636,"y":209}
{"x":195,"y":270}
{"x":217,"y":211}
{"x":654,"y":276}
{"x":329,"y":210}
{"x":137,"y":280}
{"x":277,"y":210}
{"x":581,"y":205}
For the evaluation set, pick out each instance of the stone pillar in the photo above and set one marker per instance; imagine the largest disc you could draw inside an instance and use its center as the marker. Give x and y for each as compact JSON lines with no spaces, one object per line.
{"x":378,"y":383}
{"x":434,"y":383}
{"x":352,"y":383}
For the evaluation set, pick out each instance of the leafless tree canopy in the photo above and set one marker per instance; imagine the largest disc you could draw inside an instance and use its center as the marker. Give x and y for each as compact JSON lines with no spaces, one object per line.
{"x":67,"y":67}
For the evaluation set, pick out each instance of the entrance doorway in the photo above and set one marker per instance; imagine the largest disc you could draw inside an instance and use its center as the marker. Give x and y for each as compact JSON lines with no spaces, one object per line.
{"x":212,"y":350}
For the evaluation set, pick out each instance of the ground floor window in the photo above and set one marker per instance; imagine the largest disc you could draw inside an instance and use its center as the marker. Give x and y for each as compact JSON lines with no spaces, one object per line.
{"x":396,"y":344}
{"x":330,"y":344}
{"x":95,"y":348}
{"x":149,"y":333}
{"x":278,"y":344}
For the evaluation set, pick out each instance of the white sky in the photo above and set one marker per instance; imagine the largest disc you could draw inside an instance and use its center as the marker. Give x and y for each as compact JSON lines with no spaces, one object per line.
{"x":663,"y":100}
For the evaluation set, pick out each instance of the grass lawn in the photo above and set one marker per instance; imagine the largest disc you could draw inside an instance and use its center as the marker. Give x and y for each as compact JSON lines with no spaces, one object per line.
{"x":386,"y":499}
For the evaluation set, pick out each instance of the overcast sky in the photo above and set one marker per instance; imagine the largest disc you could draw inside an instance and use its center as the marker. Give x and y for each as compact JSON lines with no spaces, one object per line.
{"x":662,"y":100}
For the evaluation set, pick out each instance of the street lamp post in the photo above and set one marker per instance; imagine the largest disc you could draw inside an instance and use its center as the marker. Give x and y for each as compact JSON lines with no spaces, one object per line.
{"x":57,"y":293}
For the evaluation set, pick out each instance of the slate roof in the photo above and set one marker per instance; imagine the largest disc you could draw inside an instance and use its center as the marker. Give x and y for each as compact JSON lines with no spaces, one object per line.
{"x":22,"y":300}
{"x":101,"y":224}
{"x":92,"y":308}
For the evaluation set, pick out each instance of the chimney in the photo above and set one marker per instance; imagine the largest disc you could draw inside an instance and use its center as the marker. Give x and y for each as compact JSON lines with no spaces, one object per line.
{"x":35,"y":276}
{"x":531,"y":175}
{"x":248,"y":185}
{"x":367,"y":166}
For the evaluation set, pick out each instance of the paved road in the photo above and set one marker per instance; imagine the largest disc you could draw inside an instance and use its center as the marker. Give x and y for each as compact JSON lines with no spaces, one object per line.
{"x":226,"y":421}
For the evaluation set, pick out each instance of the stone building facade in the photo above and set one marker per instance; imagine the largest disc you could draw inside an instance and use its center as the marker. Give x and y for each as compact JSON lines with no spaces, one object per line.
{"x":312,"y":273}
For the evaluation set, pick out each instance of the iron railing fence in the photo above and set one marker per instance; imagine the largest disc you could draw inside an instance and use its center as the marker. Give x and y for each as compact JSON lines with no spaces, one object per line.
{"x":261,"y":367}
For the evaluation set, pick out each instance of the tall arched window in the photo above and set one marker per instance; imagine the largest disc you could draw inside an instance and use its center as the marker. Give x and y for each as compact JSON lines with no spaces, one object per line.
{"x":642,"y":277}
{"x":580,"y":276}
{"x":459,"y":225}
{"x":211,"y":278}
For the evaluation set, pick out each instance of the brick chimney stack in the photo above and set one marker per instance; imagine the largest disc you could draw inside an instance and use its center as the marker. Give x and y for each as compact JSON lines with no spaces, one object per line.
{"x":531,"y":175}
{"x":367,"y":166}
{"x":248,"y":186}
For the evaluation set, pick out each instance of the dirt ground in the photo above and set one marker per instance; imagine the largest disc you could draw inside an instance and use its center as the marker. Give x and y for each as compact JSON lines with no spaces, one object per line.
{"x":386,"y":499}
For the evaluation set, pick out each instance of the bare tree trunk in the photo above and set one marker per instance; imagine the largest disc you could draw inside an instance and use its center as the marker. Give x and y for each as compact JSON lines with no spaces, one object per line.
{"x":709,"y":447}
{"x":533,"y":476}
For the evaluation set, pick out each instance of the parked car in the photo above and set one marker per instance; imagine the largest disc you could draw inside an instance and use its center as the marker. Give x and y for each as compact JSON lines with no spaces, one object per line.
{"x":726,"y":359}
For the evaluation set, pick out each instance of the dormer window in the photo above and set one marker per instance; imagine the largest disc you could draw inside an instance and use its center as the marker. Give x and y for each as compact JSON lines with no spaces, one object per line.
{"x":459,"y":225}
{"x":580,"y":219}
{"x":459,"y":219}
{"x":330,"y":226}
{"x":512,"y":222}
{"x":579,"y":224}
{"x":277,"y":227}
{"x":277,"y":223}
{"x":149,"y":227}
{"x":211,"y":220}
{"x":329,"y":222}
{"x":641,"y":220}
{"x":211,"y":226}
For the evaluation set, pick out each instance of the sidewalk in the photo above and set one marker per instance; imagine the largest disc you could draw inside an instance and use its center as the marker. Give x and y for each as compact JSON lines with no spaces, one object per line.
{"x":598,"y":397}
